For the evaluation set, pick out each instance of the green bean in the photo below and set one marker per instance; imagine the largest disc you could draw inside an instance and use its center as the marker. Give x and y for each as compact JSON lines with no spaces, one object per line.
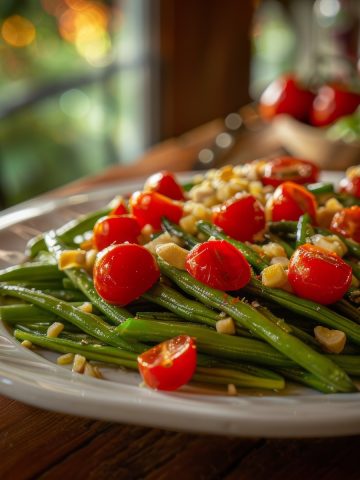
{"x":87,"y":322}
{"x":176,"y":302}
{"x":346,"y":308}
{"x":165,"y":316}
{"x":258,"y":262}
{"x":254,"y":321}
{"x":304,"y":230}
{"x":207,"y":340}
{"x":306,"y":378}
{"x":320,"y":188}
{"x":29,"y":313}
{"x":31,"y":272}
{"x":67,"y":232}
{"x":174,"y":230}
{"x":306,"y":308}
{"x":66,"y":295}
{"x":355,"y":267}
{"x":237,"y":378}
{"x":84,"y":283}
{"x":99,"y":353}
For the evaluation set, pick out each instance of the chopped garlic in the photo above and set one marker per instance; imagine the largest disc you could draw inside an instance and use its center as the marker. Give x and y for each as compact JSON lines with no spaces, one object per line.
{"x":333,"y":341}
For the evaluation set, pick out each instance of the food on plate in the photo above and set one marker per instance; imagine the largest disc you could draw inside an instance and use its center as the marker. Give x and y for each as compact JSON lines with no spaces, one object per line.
{"x":249,"y":280}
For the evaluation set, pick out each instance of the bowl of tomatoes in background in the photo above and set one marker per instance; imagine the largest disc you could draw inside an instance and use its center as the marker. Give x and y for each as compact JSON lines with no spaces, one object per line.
{"x":322,"y":125}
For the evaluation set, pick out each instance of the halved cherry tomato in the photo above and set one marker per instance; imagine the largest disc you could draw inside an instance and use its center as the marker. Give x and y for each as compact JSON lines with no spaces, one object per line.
{"x":150,"y":207}
{"x":290,"y":201}
{"x":115,"y":229}
{"x":164,"y":182}
{"x":282,"y":169}
{"x":218,"y":264}
{"x":332,"y":102}
{"x":241,"y":217}
{"x":347,"y":223}
{"x":124,"y":272}
{"x":285,"y":95}
{"x":169,"y":365}
{"x":350,"y":185}
{"x":318,"y":275}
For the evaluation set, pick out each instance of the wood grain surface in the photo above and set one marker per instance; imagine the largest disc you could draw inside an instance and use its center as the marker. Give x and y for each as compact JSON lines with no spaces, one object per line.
{"x":35,"y":443}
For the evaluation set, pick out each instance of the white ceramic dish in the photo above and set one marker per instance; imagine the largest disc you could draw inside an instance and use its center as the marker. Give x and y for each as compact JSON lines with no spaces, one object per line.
{"x":36,"y":380}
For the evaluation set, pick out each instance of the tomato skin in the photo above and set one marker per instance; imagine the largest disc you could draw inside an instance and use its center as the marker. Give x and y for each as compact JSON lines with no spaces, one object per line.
{"x":115,"y":229}
{"x":170,"y":364}
{"x":219,"y":265}
{"x":318,"y":275}
{"x":290,"y":201}
{"x":150,"y":207}
{"x":332,"y":102}
{"x":119,"y":209}
{"x":285,"y":95}
{"x":346,"y":222}
{"x":124,"y":272}
{"x":241,"y":217}
{"x":283,"y":169}
{"x":164,"y":182}
{"x":351,"y":186}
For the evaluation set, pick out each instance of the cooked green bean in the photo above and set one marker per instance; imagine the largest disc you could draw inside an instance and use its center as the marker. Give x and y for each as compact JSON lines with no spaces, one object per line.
{"x":31,"y":272}
{"x":174,"y":230}
{"x":306,"y":308}
{"x":88,"y":322}
{"x":304,"y":230}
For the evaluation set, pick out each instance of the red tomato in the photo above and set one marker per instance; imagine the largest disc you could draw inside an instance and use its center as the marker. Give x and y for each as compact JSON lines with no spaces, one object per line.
{"x":351,"y":186}
{"x":318,"y":275}
{"x":285,"y":95}
{"x":218,"y":264}
{"x":346,"y":222}
{"x":241,"y":217}
{"x":281,"y":169}
{"x":120,"y":208}
{"x":290,"y":201}
{"x":115,"y":229}
{"x":331,"y":103}
{"x":124,"y":272}
{"x":164,"y":183}
{"x":170,"y":364}
{"x":150,"y":207}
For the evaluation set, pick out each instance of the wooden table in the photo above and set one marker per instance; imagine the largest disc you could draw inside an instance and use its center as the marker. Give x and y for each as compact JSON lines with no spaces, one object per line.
{"x":36,"y":443}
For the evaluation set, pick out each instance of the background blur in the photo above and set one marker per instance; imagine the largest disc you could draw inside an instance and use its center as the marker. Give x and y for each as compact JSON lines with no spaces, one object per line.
{"x":86,"y":84}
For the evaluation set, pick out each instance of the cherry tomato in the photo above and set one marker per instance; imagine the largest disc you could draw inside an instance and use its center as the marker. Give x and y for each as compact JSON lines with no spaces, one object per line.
{"x":164,"y":182}
{"x":150,"y":207}
{"x":290,"y":201}
{"x":285,"y":95}
{"x":120,"y":208}
{"x":281,"y":169}
{"x":351,"y":186}
{"x":218,"y":264}
{"x":170,"y":364}
{"x":124,"y":272}
{"x":318,"y":275}
{"x":346,"y":222}
{"x":331,"y":103}
{"x":241,"y":217}
{"x":115,"y":229}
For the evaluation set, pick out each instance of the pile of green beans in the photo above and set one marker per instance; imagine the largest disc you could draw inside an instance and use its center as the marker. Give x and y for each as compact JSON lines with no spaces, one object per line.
{"x":272,"y":341}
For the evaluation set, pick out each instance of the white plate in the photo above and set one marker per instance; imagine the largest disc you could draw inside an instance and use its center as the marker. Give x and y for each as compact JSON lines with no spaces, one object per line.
{"x":35,"y":379}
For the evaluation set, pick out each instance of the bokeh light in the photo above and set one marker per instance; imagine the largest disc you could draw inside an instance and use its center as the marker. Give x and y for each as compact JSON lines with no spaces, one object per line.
{"x":18,"y":31}
{"x":75,"y":103}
